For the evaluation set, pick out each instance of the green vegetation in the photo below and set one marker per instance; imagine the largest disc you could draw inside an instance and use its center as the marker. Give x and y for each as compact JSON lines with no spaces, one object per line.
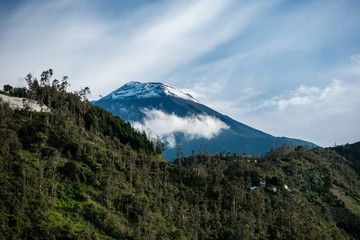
{"x":353,"y":204}
{"x":351,"y":152}
{"x":80,"y":173}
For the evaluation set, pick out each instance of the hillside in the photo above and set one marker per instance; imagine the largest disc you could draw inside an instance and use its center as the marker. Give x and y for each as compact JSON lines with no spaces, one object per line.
{"x":78,"y":172}
{"x":351,"y":152}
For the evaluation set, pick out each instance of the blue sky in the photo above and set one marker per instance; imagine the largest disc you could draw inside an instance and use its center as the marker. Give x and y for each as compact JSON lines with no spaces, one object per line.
{"x":289,"y":68}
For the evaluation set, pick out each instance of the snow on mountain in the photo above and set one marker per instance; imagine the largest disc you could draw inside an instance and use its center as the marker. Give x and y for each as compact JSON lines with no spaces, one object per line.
{"x":179,"y":119}
{"x":147,"y":90}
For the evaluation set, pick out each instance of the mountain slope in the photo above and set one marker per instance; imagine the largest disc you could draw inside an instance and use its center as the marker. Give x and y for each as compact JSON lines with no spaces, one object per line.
{"x":77,"y":172}
{"x":351,"y":152}
{"x":135,"y":102}
{"x":79,"y":183}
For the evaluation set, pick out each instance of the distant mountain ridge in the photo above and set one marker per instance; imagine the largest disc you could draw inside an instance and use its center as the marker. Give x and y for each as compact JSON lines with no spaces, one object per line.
{"x":134,"y":100}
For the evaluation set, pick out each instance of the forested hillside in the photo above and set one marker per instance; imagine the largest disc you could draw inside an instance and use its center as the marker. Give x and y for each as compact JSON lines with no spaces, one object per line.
{"x":351,"y":152}
{"x":78,"y":172}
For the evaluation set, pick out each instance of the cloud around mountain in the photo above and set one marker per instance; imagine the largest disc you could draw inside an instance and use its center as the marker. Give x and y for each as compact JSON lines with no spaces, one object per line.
{"x":166,"y":125}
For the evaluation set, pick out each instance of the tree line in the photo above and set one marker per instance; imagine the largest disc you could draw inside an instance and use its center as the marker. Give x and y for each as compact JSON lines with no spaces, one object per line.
{"x":78,"y":172}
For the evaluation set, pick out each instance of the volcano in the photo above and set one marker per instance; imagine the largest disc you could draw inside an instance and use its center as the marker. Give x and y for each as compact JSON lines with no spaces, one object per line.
{"x":184,"y":124}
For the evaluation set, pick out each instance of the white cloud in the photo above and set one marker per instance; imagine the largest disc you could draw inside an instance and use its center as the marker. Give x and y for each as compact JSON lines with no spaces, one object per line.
{"x":193,"y":93}
{"x":232,"y":54}
{"x":170,"y":140}
{"x":158,"y":123}
{"x":324,"y":116}
{"x":147,"y":44}
{"x":305,"y":96}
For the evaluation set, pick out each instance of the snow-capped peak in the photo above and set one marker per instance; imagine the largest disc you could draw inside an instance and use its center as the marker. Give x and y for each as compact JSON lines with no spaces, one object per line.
{"x":148,"y":90}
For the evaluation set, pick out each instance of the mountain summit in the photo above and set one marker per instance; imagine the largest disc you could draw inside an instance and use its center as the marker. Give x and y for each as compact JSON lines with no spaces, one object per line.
{"x":147,"y":90}
{"x":180,"y":120}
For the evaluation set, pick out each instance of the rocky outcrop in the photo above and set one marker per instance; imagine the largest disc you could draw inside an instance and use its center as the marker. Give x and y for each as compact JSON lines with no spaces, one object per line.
{"x":21,"y":103}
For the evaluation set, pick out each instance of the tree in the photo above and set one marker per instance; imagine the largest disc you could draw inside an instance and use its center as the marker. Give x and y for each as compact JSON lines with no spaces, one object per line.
{"x":45,"y":77}
{"x":84,"y":93}
{"x":19,"y":92}
{"x":160,"y":146}
{"x":8,"y":88}
{"x":64,"y":84}
{"x":33,"y":87}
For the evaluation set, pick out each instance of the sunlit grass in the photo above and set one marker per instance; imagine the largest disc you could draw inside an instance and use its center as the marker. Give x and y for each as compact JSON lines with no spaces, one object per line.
{"x":349,"y":202}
